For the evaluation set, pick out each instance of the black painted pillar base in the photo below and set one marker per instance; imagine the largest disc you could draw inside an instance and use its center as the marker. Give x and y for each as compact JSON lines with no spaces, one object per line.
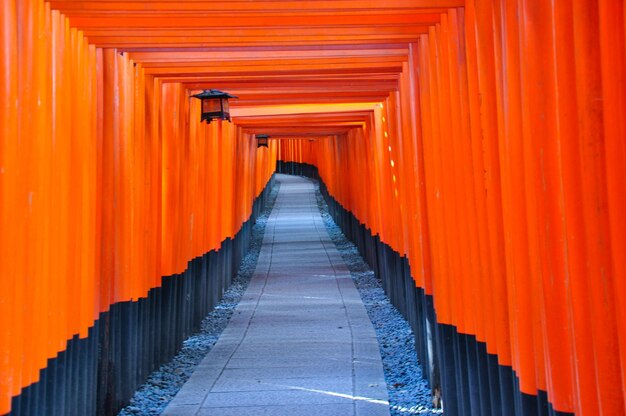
{"x":98,"y":375}
{"x":470,"y":380}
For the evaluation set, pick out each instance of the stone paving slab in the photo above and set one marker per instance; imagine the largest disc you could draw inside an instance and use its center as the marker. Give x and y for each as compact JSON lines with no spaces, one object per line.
{"x":291,"y":410}
{"x":300,"y":341}
{"x":341,"y":385}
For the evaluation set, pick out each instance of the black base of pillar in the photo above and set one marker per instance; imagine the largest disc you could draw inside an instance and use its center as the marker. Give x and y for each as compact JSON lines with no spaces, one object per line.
{"x":470,"y":379}
{"x":99,"y":374}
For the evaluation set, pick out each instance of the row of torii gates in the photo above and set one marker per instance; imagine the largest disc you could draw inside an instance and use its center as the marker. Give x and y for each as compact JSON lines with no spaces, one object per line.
{"x":480,"y":145}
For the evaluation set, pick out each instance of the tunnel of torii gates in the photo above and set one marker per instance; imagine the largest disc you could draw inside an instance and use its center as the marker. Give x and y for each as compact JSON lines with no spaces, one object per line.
{"x":475,"y":152}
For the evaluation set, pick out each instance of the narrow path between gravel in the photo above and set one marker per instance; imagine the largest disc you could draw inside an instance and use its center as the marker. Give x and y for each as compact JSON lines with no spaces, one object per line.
{"x":300,"y":340}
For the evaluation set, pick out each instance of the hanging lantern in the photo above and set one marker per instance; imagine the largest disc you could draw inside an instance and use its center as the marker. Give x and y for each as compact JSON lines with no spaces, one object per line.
{"x":214,"y":105}
{"x":262,"y":140}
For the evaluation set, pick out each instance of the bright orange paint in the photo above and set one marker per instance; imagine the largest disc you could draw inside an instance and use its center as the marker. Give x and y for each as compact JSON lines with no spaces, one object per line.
{"x":484,"y":139}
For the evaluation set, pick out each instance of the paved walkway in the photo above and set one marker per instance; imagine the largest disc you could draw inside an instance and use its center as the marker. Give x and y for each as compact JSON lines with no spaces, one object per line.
{"x":300,"y":341}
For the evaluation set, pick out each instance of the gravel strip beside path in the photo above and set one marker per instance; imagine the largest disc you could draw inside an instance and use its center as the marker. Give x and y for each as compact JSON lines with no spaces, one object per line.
{"x":409,"y":392}
{"x":162,"y":385}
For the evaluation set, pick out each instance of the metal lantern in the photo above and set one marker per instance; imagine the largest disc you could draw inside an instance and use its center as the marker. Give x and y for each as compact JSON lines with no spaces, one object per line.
{"x":214,"y":105}
{"x":262,"y":140}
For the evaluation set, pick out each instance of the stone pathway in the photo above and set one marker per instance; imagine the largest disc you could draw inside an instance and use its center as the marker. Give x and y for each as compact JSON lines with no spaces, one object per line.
{"x":300,"y":341}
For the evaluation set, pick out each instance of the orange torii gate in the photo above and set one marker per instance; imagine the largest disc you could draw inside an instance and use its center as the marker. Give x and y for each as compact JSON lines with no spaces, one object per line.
{"x":476,"y":149}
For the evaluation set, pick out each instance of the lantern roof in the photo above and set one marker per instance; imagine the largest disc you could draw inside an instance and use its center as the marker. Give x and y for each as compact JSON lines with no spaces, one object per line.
{"x":214,"y":94}
{"x":262,"y":136}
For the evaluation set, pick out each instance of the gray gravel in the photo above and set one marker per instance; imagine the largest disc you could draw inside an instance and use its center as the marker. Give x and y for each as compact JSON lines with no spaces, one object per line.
{"x":162,"y":385}
{"x":408,"y":390}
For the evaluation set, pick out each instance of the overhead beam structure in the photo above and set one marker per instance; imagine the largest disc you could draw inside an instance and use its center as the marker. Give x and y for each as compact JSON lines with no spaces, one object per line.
{"x":265,"y":52}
